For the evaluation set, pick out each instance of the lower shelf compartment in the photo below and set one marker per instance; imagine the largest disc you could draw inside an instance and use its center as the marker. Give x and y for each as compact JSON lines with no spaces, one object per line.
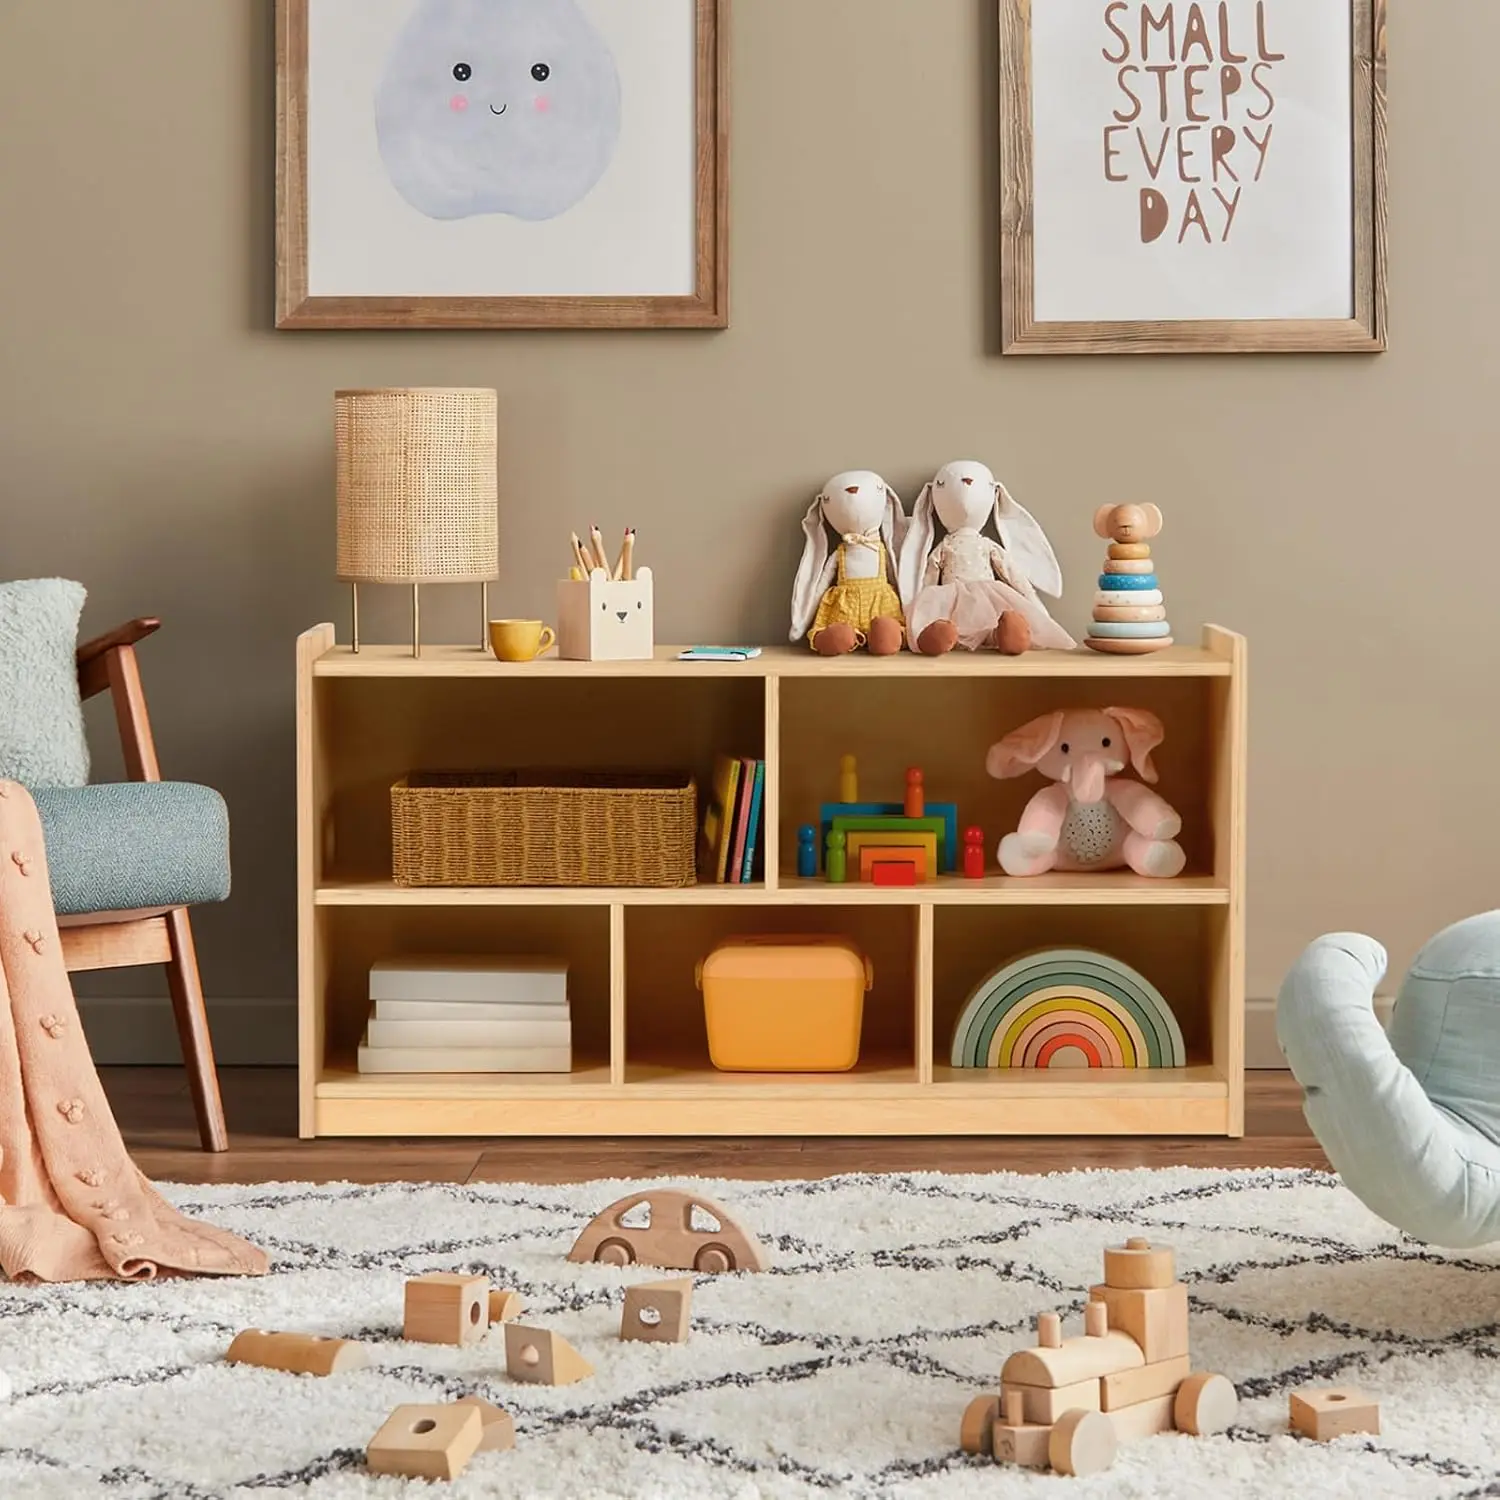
{"x":883,"y":1096}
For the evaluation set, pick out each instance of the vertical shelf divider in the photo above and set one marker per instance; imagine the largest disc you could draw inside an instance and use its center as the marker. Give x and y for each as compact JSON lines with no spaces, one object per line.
{"x":924,"y":948}
{"x":616,"y":993}
{"x":312,"y":821}
{"x":770,"y":818}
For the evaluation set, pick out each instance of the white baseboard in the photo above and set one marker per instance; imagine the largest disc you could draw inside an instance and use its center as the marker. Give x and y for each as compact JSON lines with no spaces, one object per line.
{"x":263,"y":1033}
{"x":1261,"y":1050}
{"x":141,"y":1032}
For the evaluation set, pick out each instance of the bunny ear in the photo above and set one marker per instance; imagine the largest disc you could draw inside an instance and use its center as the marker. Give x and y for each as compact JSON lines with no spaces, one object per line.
{"x":916,"y":548}
{"x":1027,"y":543}
{"x":807,"y":590}
{"x":893,"y":529}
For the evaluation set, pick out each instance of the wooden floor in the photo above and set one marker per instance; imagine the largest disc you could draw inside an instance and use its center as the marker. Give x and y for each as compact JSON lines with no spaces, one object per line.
{"x":155,"y":1116}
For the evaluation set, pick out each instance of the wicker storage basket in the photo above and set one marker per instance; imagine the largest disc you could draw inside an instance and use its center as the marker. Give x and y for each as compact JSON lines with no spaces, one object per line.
{"x":544,"y":828}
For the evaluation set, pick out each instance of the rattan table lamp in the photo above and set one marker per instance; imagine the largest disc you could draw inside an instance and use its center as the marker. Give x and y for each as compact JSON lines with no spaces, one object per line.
{"x":417,"y":493}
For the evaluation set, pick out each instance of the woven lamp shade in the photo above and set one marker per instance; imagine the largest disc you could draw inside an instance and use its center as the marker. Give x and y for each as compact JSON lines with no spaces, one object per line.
{"x":417,"y":489}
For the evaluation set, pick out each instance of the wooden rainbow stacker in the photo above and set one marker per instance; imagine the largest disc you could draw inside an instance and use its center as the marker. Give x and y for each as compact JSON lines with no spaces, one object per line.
{"x":1068,"y":1403}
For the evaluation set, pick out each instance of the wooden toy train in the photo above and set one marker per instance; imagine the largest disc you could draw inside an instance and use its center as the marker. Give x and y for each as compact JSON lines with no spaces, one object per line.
{"x":1067,"y":1403}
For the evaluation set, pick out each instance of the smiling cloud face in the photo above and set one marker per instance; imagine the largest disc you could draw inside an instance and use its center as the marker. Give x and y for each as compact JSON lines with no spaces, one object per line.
{"x":497,"y":107}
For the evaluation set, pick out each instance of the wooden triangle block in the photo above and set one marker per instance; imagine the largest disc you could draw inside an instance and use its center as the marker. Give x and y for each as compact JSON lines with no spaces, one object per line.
{"x":426,"y":1442}
{"x":499,"y":1425}
{"x":504,"y":1306}
{"x":539,"y":1357}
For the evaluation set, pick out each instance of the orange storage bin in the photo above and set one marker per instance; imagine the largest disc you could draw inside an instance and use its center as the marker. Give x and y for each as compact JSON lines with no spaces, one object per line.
{"x":784,"y":1004}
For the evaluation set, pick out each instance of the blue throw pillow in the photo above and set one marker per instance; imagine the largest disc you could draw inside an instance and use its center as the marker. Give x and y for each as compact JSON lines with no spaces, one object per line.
{"x":41,"y":714}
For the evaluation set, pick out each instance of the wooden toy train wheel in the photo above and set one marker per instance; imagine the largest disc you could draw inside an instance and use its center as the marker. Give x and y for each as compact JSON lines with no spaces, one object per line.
{"x":1205,"y":1404}
{"x":1082,"y":1442}
{"x":615,"y":1253}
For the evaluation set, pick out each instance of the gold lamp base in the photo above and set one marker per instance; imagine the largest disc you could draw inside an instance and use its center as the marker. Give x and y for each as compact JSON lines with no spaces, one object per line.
{"x":416,"y":617}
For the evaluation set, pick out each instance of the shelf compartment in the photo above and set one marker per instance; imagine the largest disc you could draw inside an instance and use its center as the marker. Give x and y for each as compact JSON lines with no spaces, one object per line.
{"x":374,"y":730}
{"x":1175,"y":950}
{"x":946,"y":725}
{"x":356,"y":937}
{"x":664,"y":1022}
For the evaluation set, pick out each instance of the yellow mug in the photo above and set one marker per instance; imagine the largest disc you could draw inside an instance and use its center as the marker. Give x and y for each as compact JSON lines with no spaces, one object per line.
{"x":520,"y":640}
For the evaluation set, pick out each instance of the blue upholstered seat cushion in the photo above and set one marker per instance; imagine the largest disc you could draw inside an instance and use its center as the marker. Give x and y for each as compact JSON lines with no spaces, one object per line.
{"x":126,"y":845}
{"x":41,"y":714}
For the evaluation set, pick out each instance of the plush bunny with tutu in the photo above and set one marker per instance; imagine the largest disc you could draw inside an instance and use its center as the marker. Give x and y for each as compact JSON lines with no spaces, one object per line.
{"x":968,"y":589}
{"x":848,"y":599}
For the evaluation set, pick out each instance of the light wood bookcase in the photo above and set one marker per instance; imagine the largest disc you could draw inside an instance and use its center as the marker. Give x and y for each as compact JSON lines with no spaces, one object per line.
{"x":640,"y":1050}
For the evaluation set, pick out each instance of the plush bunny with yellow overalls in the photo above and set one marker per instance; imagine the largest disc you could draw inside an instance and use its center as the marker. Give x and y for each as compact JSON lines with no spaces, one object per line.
{"x":849,"y":599}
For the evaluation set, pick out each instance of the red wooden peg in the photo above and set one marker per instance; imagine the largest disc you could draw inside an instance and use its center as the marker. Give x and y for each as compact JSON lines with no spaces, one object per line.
{"x":916,"y":798}
{"x":974,"y":853}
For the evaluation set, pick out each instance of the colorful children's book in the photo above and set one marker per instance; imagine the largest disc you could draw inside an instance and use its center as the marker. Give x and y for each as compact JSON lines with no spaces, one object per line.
{"x":741,"y":821}
{"x":718,"y":822}
{"x":752,"y":842}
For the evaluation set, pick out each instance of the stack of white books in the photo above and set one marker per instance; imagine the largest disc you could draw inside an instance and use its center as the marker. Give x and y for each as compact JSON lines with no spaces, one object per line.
{"x":468,"y":1014}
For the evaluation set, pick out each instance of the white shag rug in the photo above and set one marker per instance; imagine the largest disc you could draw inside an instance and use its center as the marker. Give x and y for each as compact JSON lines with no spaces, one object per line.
{"x":843,"y":1371}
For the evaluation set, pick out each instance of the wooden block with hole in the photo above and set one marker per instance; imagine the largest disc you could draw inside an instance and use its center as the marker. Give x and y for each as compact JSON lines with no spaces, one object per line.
{"x":1045,"y":1404}
{"x":446,"y":1309}
{"x":1138,"y":1265}
{"x":504,"y":1306}
{"x":499,"y":1426}
{"x":1333,"y":1412}
{"x":1145,"y":1383}
{"x":1155,"y":1317}
{"x":297,"y":1353}
{"x":426,"y":1442}
{"x":657,"y":1312}
{"x":537,"y":1356}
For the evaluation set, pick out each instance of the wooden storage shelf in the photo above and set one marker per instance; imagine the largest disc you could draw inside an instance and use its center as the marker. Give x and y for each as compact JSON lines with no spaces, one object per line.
{"x":641,"y":1065}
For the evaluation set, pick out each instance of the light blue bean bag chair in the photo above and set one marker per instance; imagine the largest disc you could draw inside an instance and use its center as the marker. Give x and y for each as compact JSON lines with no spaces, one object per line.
{"x":1410,"y":1119}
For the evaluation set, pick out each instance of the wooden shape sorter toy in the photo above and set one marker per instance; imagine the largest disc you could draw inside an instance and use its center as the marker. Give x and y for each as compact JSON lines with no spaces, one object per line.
{"x":446,"y":1309}
{"x":1332,"y":1412}
{"x":537,"y":1356}
{"x":1066,"y":1402}
{"x":658,"y":1312}
{"x":426,"y":1442}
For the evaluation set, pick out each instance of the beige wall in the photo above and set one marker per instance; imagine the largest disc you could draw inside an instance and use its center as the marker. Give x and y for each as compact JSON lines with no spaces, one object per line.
{"x":160,"y":442}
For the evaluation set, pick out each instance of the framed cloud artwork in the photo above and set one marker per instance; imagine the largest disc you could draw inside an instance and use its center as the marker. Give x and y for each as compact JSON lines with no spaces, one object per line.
{"x":502,"y":164}
{"x":1193,"y":176}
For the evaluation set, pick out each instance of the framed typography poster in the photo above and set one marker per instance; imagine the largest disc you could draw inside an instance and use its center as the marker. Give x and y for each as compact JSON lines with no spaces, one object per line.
{"x":1193,"y":176}
{"x":502,"y":164}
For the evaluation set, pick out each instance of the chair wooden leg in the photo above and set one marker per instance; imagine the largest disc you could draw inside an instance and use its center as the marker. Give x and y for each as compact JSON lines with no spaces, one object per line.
{"x":192,"y":1028}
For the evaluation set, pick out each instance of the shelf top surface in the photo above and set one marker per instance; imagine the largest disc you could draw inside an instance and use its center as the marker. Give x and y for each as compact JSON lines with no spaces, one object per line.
{"x":1214,"y":659}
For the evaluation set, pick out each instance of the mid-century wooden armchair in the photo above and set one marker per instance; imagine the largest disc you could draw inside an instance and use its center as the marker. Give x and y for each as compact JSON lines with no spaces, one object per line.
{"x":128,"y":859}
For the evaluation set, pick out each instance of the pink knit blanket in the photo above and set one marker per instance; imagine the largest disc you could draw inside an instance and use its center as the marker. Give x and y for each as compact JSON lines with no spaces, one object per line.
{"x":73,"y":1206}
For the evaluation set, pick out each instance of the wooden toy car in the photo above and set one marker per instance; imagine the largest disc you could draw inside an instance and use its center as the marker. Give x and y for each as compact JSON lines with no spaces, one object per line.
{"x":669,"y":1240}
{"x":1067,"y":1403}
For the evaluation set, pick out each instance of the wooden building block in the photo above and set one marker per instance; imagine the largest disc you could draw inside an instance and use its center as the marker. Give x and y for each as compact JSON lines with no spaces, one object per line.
{"x":1095,"y":1320}
{"x":1045,"y":1404}
{"x":1082,"y":1442}
{"x":1025,"y":1444}
{"x":974,"y":1431}
{"x":504,"y":1306}
{"x":1049,"y":1331}
{"x":1073,"y":1360}
{"x":1144,"y":1418}
{"x":1206,"y":1404}
{"x":499,"y":1426}
{"x":893,"y":872}
{"x":873,"y":856}
{"x":1138,"y":1265}
{"x":446,"y":1309}
{"x":1155,"y":1317}
{"x":426,"y":1442}
{"x":1331,"y":1412}
{"x":658,"y":1311}
{"x":1144,"y":1383}
{"x":297,"y":1353}
{"x":537,"y":1356}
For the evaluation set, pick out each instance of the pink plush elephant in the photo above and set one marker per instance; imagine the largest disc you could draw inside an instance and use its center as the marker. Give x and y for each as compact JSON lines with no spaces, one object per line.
{"x":1092,"y":819}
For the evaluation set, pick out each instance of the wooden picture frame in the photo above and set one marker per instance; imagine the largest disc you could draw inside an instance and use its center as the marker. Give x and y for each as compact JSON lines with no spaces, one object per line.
{"x":706,"y":307}
{"x":1023,"y":333}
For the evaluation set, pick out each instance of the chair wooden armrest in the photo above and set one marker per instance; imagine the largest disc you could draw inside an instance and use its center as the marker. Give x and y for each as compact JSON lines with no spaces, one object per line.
{"x":93,"y":676}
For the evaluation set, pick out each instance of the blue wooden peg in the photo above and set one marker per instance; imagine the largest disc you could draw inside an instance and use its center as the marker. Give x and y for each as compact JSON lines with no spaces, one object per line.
{"x":807,"y":852}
